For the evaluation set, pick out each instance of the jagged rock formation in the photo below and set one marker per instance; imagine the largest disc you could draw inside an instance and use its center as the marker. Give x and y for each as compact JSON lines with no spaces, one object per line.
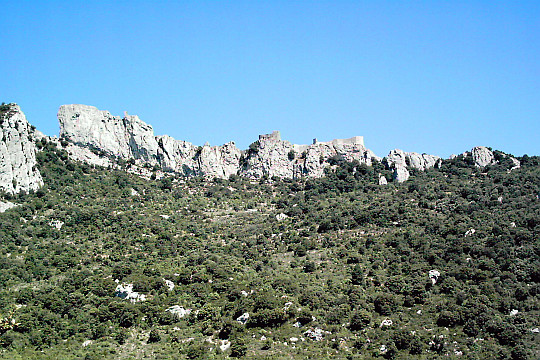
{"x":187,"y":159}
{"x":272,"y":156}
{"x":18,"y":170}
{"x":482,"y":156}
{"x":130,"y":138}
{"x":125,"y":138}
{"x":399,"y":160}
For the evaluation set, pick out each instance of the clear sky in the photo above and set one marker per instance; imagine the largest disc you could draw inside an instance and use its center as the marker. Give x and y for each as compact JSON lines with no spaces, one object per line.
{"x":428,"y":76}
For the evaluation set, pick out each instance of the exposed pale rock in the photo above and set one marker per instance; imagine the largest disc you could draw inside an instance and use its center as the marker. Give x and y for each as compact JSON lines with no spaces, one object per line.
{"x":470,"y":232}
{"x":178,"y":311}
{"x":18,"y":168}
{"x":242,"y":319}
{"x":219,"y":161}
{"x":310,"y":163}
{"x":516,"y":162}
{"x":382,"y":180}
{"x":482,"y":156}
{"x":386,"y":322}
{"x":125,"y":291}
{"x":399,"y":160}
{"x":434,"y":276}
{"x":225,"y":344}
{"x":169,"y":284}
{"x":125,"y":138}
{"x":287,"y":305}
{"x":422,"y":161}
{"x":86,"y":343}
{"x":271,"y":156}
{"x":401,"y":173}
{"x":514,"y":312}
{"x":281,"y":217}
{"x":316,"y":334}
{"x":130,"y":138}
{"x":6,"y":206}
{"x":85,"y":155}
{"x":57,"y":224}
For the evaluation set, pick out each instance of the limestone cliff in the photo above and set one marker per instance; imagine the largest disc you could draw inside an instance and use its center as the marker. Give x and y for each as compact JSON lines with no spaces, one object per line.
{"x":124,"y":138}
{"x":18,"y":170}
{"x":272,"y":156}
{"x":399,"y":160}
{"x":88,"y":128}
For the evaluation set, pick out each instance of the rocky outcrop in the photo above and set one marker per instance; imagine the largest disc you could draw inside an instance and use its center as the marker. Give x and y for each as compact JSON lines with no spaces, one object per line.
{"x":92,"y":131}
{"x":399,"y":161}
{"x":6,"y":206}
{"x":482,"y":156}
{"x":347,"y":149}
{"x":271,"y":156}
{"x":125,"y":138}
{"x":18,"y":171}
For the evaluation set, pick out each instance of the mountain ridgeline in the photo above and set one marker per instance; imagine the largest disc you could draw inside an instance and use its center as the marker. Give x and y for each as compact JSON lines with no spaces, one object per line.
{"x":99,"y":138}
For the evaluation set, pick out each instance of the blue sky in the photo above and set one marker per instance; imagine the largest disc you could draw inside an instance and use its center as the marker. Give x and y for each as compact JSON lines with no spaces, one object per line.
{"x":428,"y":76}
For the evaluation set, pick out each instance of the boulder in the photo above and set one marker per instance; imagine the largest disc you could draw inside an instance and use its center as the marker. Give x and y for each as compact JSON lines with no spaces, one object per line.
{"x":178,"y":311}
{"x":125,"y":291}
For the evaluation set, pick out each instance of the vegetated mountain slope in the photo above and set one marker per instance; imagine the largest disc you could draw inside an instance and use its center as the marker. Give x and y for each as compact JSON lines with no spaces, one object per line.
{"x":336,"y":267}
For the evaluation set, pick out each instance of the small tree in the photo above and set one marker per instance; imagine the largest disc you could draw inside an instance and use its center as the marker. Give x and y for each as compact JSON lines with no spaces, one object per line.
{"x":238,"y":348}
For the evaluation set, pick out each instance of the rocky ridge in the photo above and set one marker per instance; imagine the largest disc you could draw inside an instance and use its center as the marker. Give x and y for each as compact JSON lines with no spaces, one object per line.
{"x":130,"y":138}
{"x":96,"y":137}
{"x":18,"y":170}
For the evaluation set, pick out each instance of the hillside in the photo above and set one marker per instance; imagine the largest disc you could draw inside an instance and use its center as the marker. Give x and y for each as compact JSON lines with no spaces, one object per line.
{"x":337,"y":267}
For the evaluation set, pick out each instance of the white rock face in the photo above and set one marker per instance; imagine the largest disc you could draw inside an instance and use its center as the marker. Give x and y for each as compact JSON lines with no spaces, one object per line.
{"x":316,"y":334}
{"x":482,"y":156}
{"x":470,"y":232}
{"x":169,"y":284}
{"x":242,"y":319}
{"x":434,"y":276}
{"x":57,"y":224}
{"x":224,"y":345}
{"x":399,"y":160}
{"x":401,"y":173}
{"x":6,"y":206}
{"x":382,"y":180}
{"x":125,"y":291}
{"x":281,"y":217}
{"x":275,"y":157}
{"x":125,"y":138}
{"x":130,"y":138}
{"x":178,"y":311}
{"x":18,"y":171}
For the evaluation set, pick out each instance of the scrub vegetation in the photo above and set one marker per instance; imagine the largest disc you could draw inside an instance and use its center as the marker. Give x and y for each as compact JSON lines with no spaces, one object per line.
{"x":443,"y":265}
